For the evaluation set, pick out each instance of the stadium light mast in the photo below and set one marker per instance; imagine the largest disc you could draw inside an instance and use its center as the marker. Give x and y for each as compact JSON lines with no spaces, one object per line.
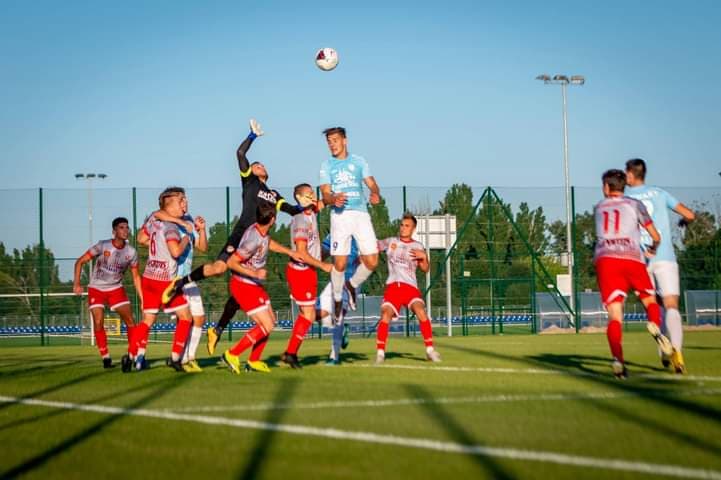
{"x":564,"y":81}
{"x":89,"y":177}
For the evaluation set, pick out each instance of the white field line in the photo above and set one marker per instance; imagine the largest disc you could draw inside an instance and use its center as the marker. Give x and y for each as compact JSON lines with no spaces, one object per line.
{"x":537,"y":371}
{"x":369,"y":437}
{"x":500,"y":398}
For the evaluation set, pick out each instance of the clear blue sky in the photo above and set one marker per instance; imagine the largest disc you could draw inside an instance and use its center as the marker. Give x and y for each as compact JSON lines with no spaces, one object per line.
{"x":157,"y":93}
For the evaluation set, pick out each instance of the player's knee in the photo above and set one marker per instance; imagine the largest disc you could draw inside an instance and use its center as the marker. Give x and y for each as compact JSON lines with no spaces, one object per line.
{"x":670,"y":302}
{"x":339,"y":263}
{"x":371,"y":262}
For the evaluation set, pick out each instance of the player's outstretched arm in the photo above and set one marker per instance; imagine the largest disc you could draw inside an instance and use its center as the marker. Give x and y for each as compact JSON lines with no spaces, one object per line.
{"x":302,"y":248}
{"x":375,"y":196}
{"x":164,"y":217}
{"x":235,"y":263}
{"x":281,"y":205}
{"x":201,"y":240}
{"x":82,"y":260}
{"x":241,"y":153}
{"x":276,"y":247}
{"x":686,"y":213}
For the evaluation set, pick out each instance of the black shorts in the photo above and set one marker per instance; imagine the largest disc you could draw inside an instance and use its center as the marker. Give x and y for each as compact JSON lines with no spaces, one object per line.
{"x":232,"y":243}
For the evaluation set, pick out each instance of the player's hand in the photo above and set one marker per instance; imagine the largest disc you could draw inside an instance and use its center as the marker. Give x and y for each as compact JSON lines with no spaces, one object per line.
{"x":188,"y":226}
{"x":650,"y":251}
{"x":319,"y":205}
{"x":374,"y":198}
{"x":199,"y":223}
{"x":683,"y":223}
{"x":77,"y":289}
{"x":261,"y":274}
{"x":297,"y":256}
{"x":339,"y":199}
{"x":418,"y":255}
{"x":326,"y":267}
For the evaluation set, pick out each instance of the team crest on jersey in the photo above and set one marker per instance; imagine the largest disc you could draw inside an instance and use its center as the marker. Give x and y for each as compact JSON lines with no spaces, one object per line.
{"x":393,"y":246}
{"x":307,"y":295}
{"x":106,"y":253}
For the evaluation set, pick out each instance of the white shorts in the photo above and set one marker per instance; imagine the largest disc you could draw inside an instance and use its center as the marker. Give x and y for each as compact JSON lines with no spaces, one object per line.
{"x":355,"y":224}
{"x":664,"y":275}
{"x":195,"y":302}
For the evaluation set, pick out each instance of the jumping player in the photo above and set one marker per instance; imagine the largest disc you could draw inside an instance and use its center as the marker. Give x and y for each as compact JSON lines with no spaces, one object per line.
{"x":342,"y":178}
{"x":662,"y":267}
{"x":246,"y":286}
{"x":324,"y":304}
{"x":256,"y":193}
{"x":188,"y":226}
{"x":404,"y":256}
{"x":165,"y":246}
{"x":620,"y":264}
{"x":302,"y":276}
{"x":113,"y":258}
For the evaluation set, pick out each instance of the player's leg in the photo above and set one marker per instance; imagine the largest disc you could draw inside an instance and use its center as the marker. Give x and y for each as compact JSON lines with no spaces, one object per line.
{"x":303,"y":285}
{"x":256,"y":351}
{"x":367,"y":242}
{"x":126,"y":315}
{"x":101,"y":339}
{"x":424,"y":322}
{"x":256,"y":303}
{"x":180,"y":336}
{"x":387,"y":314}
{"x":668,"y":286}
{"x":152,"y":292}
{"x":640,"y":281}
{"x":613,"y":284}
{"x":341,"y":227}
{"x":614,"y":334}
{"x":195,"y":303}
{"x":302,"y":324}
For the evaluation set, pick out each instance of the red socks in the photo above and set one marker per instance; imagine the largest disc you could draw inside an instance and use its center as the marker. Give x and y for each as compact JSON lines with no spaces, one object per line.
{"x":300,"y":328}
{"x":130,"y":331}
{"x":427,"y":332}
{"x":182,"y":330}
{"x":382,"y":335}
{"x":653,"y":312}
{"x":614,"y":334}
{"x":254,"y":335}
{"x":101,"y":340}
{"x":257,"y":350}
{"x":139,"y":338}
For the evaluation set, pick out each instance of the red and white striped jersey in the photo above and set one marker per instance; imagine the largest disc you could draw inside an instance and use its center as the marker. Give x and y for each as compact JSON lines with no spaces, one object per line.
{"x":304,"y":226}
{"x":401,"y":265}
{"x":617,"y":228}
{"x":110,"y":264}
{"x":252,"y":250}
{"x":161,"y":264}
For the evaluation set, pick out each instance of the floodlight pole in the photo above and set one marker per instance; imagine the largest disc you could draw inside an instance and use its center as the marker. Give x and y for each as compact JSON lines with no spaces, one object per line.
{"x":89,"y":177}
{"x":564,"y":81}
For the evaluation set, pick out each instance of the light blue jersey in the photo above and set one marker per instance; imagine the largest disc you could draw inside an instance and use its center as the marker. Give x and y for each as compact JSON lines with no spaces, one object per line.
{"x":657,"y":202}
{"x":185,"y":260}
{"x":347,"y":176}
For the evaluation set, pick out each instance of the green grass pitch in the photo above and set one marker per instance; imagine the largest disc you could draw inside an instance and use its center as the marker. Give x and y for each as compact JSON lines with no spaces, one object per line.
{"x":513,"y":406}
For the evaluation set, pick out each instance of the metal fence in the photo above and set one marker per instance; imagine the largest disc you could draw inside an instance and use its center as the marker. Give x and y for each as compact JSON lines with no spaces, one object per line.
{"x":497,"y":265}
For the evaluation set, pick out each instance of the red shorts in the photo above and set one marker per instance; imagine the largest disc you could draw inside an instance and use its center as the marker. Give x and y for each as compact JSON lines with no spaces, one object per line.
{"x":303,"y":284}
{"x":152,"y":297}
{"x":616,"y":276}
{"x":252,"y":298}
{"x":398,"y":294}
{"x":113,"y":298}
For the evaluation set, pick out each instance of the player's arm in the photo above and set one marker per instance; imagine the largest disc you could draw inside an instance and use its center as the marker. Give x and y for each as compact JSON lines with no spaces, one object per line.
{"x":686,"y":213}
{"x":301,"y":247}
{"x":235,"y":263}
{"x":138,"y":283}
{"x":281,"y":205}
{"x":276,"y":247}
{"x":655,"y":237}
{"x":337,"y":199}
{"x":241,"y":154}
{"x":419,"y":255}
{"x":201,"y":240}
{"x":142,"y":237}
{"x":375,"y":196}
{"x":82,"y":260}
{"x":164,"y":217}
{"x":175,"y":247}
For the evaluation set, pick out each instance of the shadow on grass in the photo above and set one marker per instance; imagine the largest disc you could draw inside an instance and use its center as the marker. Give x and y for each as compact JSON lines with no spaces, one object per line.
{"x":579,"y":363}
{"x":76,"y":439}
{"x":699,"y":347}
{"x":487,"y":466}
{"x":56,"y":412}
{"x":257,"y":456}
{"x":55,"y":388}
{"x":35,"y":368}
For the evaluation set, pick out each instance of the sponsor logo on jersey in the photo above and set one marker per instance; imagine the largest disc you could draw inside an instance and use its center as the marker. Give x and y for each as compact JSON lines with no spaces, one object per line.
{"x":268,"y":196}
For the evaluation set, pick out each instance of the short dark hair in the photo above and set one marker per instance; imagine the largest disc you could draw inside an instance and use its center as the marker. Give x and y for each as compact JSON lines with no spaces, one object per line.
{"x":264,"y":214}
{"x":615,"y":179}
{"x":638,"y":167}
{"x":301,"y":186}
{"x":411,"y":217}
{"x":169,"y":192}
{"x":330,"y":131}
{"x":118,"y":221}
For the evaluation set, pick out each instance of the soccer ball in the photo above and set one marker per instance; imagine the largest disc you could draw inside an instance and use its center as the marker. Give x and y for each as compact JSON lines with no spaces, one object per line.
{"x":326,"y":59}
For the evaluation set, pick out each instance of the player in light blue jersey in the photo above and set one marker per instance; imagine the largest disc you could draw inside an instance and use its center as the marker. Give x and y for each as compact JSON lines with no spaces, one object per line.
{"x":341,"y":183}
{"x":195,"y":229}
{"x":662,"y":268}
{"x":324,"y":303}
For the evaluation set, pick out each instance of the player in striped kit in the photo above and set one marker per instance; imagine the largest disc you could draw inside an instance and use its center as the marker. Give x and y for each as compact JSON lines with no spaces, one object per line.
{"x":188,"y":226}
{"x":662,"y":267}
{"x":113,"y":258}
{"x":404,"y":256}
{"x":246,"y":285}
{"x":165,"y":246}
{"x":302,"y":276}
{"x":620,"y":263}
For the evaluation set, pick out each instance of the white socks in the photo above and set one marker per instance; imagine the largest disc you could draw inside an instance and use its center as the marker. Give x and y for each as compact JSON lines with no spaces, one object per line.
{"x":674,"y":326}
{"x":192,"y":346}
{"x":361,"y":275}
{"x":337,"y":340}
{"x":337,"y":279}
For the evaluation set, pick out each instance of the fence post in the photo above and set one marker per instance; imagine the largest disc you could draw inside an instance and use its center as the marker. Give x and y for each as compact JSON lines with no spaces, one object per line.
{"x":574,"y":263}
{"x":138,"y":317}
{"x":41,"y":268}
{"x":491,"y":261}
{"x":227,"y":235}
{"x":408,"y":315}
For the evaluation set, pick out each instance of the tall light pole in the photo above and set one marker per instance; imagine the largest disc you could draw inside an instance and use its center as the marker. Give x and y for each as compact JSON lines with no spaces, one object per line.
{"x":564,"y":81}
{"x":89,"y":177}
